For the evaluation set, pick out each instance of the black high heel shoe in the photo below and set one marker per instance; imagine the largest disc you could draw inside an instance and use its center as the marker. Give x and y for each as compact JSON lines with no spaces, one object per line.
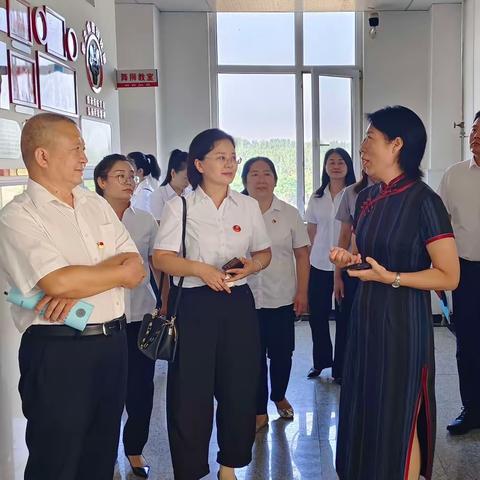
{"x":141,"y":472}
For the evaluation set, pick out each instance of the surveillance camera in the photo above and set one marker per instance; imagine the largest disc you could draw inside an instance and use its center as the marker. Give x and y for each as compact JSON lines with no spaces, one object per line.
{"x":373,"y":19}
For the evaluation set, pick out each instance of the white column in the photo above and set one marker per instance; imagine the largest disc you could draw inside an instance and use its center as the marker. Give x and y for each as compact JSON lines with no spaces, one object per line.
{"x":445,"y":90}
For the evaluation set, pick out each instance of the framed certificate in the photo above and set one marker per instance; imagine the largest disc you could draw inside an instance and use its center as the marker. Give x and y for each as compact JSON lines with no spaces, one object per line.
{"x":57,"y":85}
{"x":19,"y":21}
{"x":55,"y":33}
{"x":22,"y":80}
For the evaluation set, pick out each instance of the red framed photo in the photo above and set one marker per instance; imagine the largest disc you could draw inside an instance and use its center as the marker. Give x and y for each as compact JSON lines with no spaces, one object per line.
{"x":57,"y":85}
{"x":19,"y":21}
{"x":55,"y":33}
{"x":22,"y":80}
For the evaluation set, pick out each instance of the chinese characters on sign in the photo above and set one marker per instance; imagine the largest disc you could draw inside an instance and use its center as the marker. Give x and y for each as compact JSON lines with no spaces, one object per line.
{"x":137,"y":78}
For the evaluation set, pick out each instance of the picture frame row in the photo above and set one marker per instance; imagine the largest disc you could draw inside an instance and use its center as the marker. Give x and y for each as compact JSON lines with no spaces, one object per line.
{"x":17,"y":16}
{"x":43,"y":82}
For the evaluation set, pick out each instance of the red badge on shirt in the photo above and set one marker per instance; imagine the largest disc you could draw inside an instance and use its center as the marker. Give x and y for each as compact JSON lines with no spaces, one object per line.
{"x":237,"y":228}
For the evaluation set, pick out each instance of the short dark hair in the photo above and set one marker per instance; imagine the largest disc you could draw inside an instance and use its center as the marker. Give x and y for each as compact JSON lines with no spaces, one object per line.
{"x":477,"y":115}
{"x":248,"y":165}
{"x":38,"y":132}
{"x":399,"y":121}
{"x":105,"y":165}
{"x":349,"y":177}
{"x":203,"y":143}
{"x":148,"y":163}
{"x":177,"y":162}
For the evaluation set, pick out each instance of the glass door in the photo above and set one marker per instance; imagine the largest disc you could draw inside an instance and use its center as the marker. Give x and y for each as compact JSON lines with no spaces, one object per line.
{"x":330,"y":114}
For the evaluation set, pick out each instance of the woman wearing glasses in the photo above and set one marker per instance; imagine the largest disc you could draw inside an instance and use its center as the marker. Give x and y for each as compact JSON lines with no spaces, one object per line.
{"x":218,"y":351}
{"x":115,"y":180}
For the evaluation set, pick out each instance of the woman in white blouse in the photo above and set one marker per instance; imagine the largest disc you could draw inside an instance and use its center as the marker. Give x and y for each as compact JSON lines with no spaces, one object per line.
{"x":218,"y":351}
{"x":115,"y":180}
{"x":323,"y":231}
{"x":280,"y":291}
{"x":148,"y":172}
{"x":174,"y":184}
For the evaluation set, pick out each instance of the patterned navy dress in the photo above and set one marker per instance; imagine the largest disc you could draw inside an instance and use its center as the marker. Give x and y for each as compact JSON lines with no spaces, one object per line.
{"x":388,"y":381}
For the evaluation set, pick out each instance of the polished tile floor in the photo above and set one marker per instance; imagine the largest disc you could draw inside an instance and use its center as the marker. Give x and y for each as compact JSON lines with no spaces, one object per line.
{"x":304,"y":449}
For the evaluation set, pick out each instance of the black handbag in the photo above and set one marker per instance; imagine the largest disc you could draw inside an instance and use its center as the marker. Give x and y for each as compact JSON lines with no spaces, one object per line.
{"x":158,"y":336}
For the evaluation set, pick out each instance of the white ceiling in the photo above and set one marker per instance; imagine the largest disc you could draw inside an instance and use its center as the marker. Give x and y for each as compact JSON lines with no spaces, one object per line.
{"x":288,"y":5}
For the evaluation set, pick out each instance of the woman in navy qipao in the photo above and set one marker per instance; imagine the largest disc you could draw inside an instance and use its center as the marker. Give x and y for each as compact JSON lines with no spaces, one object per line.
{"x":386,"y":425}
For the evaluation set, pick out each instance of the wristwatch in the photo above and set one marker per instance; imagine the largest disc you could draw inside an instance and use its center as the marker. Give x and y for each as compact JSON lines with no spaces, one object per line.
{"x":396,"y":282}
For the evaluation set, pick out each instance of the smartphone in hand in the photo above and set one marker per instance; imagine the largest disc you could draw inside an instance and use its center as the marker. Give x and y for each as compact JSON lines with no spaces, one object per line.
{"x":357,"y":266}
{"x":233,"y":263}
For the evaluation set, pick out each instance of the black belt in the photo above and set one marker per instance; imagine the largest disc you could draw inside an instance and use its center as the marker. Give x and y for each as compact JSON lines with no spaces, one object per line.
{"x":108,"y":329}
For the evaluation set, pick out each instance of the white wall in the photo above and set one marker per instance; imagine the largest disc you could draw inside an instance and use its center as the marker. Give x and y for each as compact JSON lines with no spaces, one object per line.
{"x":471,"y":65}
{"x":12,"y":423}
{"x":138,"y":48}
{"x":159,"y":120}
{"x":396,"y":63}
{"x":415,"y":61}
{"x":445,"y":90}
{"x":185,"y":79}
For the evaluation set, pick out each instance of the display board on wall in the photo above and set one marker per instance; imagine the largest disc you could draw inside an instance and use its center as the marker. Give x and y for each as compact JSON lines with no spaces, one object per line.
{"x":98,"y":139}
{"x":40,"y":69}
{"x":57,"y":85}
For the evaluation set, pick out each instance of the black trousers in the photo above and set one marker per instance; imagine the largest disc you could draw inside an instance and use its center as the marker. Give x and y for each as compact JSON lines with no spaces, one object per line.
{"x":139,"y":400}
{"x":73,"y":393}
{"x":466,"y":309}
{"x":217,"y":356}
{"x":342,"y":323}
{"x":277,"y":342}
{"x":320,"y":291}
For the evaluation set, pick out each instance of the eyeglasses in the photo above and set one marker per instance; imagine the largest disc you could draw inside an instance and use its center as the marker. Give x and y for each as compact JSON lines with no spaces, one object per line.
{"x":123,"y":179}
{"x":225,"y":160}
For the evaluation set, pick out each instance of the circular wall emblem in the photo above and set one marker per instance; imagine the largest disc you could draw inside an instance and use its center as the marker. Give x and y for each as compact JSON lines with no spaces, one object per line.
{"x":95,"y":57}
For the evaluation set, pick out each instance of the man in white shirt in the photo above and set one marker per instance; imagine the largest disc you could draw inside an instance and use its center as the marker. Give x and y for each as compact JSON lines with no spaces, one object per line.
{"x":68,"y":242}
{"x":460,"y":191}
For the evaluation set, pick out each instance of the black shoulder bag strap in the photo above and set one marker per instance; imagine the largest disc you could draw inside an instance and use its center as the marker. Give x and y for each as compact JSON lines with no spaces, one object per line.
{"x":184,"y":253}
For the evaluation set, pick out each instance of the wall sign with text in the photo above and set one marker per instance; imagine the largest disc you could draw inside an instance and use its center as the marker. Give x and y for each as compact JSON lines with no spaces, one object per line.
{"x":137,"y":78}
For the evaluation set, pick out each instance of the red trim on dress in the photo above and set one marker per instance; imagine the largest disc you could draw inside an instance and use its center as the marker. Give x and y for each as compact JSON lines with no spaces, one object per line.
{"x":394,"y":181}
{"x":426,"y":399}
{"x":439,"y":237}
{"x":423,"y":393}
{"x":386,"y":191}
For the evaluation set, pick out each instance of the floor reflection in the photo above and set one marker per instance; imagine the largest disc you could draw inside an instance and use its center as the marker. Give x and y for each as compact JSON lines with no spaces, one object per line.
{"x":302,"y":449}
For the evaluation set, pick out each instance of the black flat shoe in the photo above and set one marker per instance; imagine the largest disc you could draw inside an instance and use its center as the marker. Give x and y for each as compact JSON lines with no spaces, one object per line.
{"x":465,"y":422}
{"x":313,"y":372}
{"x":141,"y":472}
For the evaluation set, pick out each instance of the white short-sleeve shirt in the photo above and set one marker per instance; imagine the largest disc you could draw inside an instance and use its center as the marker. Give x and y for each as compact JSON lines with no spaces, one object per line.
{"x":321,"y":211}
{"x":460,"y":192}
{"x":143,"y":192}
{"x":40,"y":234}
{"x":276,"y":285}
{"x":213,"y":236}
{"x":143,"y":229}
{"x":159,"y":198}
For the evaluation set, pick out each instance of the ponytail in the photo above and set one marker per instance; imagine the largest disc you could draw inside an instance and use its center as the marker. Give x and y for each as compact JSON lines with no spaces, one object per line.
{"x":154,"y":168}
{"x":177,"y":162}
